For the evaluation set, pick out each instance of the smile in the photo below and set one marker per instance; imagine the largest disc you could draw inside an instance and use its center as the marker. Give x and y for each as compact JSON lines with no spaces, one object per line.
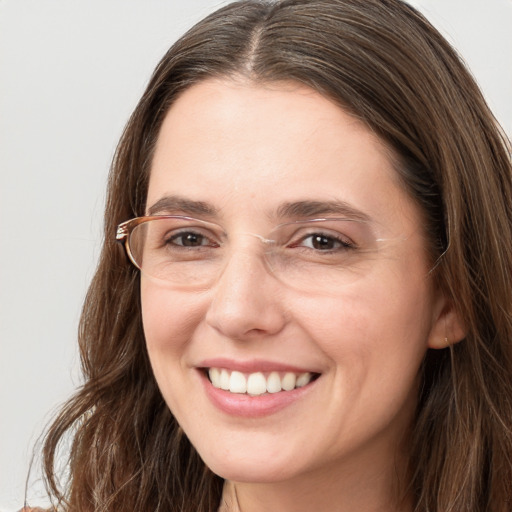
{"x":258,"y":383}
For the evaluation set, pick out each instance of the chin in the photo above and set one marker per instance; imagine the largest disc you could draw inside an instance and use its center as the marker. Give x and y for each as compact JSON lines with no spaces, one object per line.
{"x":251,"y":468}
{"x":250,"y":473}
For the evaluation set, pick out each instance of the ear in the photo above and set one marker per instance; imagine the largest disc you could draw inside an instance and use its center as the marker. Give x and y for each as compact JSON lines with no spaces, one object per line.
{"x":447,"y":325}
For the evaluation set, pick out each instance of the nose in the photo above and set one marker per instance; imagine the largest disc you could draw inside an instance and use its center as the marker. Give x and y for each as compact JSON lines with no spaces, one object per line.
{"x":246,"y":300}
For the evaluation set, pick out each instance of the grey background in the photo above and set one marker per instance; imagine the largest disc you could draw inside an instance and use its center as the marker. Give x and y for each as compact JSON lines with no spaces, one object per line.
{"x":71,"y":71}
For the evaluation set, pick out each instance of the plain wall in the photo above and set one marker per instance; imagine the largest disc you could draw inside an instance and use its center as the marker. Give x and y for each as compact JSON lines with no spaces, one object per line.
{"x":71,"y":71}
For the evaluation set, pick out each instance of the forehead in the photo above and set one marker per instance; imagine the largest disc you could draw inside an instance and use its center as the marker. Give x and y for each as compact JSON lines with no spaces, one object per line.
{"x":222,"y":113}
{"x":248,"y":148}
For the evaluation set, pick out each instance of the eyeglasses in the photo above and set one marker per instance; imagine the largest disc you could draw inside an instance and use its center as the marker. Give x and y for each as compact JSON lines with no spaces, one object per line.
{"x":188,"y":253}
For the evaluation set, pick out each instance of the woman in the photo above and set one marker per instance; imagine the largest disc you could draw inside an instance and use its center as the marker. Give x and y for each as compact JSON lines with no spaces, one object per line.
{"x":317,"y":316}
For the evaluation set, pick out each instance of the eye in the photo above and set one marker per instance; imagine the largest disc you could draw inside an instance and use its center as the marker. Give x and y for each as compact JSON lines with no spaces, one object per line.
{"x":324,"y":242}
{"x":190,"y":239}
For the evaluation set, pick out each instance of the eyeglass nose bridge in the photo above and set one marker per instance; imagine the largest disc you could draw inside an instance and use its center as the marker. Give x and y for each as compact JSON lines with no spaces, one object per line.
{"x":262,"y":239}
{"x":268,"y":244}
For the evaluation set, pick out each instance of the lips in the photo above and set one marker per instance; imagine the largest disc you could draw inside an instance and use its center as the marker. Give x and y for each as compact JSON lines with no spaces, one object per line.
{"x":255,"y":388}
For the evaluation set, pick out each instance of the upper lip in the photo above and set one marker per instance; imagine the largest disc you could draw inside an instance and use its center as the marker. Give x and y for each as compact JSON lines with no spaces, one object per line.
{"x":253,"y":365}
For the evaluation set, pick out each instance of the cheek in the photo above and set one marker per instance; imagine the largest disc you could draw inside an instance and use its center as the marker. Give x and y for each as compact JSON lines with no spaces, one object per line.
{"x":169,"y":322}
{"x":376,"y":323}
{"x":168,"y":318}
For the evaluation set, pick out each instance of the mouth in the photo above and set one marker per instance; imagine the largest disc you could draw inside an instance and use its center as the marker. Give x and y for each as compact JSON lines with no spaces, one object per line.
{"x":258,"y":383}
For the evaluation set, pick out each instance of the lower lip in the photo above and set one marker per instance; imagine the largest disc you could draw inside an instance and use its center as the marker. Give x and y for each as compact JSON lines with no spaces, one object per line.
{"x":243,"y":405}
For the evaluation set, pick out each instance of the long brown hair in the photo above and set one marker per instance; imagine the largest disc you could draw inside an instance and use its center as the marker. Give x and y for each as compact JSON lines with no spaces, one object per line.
{"x":384,"y":63}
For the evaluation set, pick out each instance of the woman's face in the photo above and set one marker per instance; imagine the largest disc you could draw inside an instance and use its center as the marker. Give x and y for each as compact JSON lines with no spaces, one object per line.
{"x":251,"y":157}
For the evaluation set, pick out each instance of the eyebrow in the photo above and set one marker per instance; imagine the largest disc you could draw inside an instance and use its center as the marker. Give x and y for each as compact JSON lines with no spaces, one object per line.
{"x":180,"y":205}
{"x":309,"y":209}
{"x":306,"y":209}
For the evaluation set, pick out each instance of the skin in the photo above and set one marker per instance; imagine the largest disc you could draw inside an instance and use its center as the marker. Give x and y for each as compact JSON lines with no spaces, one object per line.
{"x":246,"y":149}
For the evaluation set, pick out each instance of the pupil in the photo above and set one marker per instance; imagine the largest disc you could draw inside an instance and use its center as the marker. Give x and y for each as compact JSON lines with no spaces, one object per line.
{"x":322,"y":242}
{"x":191,"y":240}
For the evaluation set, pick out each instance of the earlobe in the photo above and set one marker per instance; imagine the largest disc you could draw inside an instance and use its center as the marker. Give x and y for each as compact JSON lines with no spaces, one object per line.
{"x":447,"y":327}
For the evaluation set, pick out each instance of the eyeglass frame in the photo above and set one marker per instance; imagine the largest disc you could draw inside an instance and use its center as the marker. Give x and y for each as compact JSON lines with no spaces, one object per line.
{"x":124,"y":229}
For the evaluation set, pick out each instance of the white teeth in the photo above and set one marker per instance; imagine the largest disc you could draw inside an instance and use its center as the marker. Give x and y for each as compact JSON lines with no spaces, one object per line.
{"x":256,"y":384}
{"x":303,"y":379}
{"x":214,"y":374}
{"x":237,"y":383}
{"x":288,"y":382}
{"x":224,"y":380}
{"x":274,"y":383}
